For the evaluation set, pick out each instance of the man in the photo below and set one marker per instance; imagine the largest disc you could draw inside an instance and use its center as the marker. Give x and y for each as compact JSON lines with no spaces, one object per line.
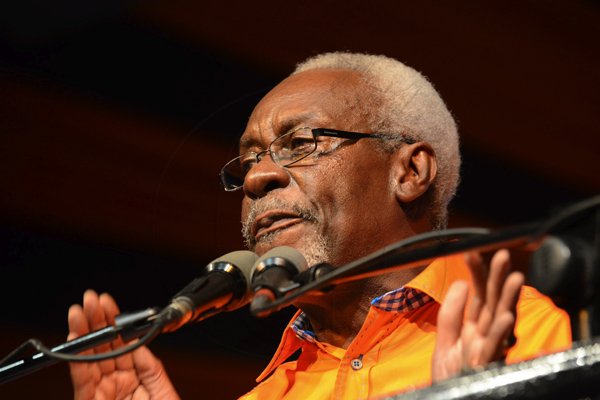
{"x":347,"y":155}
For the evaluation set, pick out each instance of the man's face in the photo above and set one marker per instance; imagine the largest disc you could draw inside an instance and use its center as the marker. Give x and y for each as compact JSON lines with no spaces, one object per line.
{"x":333,"y":208}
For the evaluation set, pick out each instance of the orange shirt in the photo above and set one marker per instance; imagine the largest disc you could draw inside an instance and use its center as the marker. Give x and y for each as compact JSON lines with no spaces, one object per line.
{"x":392,"y":351}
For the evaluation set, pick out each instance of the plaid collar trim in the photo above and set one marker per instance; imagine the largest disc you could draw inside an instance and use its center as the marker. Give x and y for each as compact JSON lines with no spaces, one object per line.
{"x":399,"y":300}
{"x":302,"y":328}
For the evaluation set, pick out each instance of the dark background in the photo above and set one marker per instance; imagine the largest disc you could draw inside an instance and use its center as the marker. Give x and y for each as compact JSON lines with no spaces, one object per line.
{"x":116,"y":116}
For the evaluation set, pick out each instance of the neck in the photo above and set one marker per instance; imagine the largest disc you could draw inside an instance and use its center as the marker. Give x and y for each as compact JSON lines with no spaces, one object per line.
{"x":338,"y":316}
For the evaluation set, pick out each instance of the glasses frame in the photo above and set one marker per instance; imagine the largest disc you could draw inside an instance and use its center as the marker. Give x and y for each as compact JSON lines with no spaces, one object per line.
{"x":316,"y":132}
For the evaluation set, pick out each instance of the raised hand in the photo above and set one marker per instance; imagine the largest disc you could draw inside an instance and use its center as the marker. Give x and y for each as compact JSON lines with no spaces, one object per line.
{"x":475,"y":334}
{"x":136,"y":375}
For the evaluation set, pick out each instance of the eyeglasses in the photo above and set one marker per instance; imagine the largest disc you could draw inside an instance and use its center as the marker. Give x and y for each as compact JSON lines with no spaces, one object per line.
{"x":289,"y":149}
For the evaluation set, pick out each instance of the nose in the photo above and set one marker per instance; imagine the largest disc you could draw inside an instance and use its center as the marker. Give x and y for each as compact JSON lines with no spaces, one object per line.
{"x":264,"y":177}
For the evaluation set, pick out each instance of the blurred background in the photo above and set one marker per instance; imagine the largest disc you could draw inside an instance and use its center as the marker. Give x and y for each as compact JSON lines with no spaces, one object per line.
{"x":116,"y":116}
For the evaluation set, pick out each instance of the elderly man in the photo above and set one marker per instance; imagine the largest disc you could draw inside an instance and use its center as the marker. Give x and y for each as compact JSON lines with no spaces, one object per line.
{"x":349,"y":154}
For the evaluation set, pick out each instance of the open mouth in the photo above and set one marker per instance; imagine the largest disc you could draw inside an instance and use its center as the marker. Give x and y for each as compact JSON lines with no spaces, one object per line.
{"x":273,"y":221}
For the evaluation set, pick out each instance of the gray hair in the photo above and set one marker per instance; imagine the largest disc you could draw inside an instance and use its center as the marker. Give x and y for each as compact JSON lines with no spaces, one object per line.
{"x":407,"y":104}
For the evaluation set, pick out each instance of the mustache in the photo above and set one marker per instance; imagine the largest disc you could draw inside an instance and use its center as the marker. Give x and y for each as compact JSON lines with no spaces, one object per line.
{"x":262,"y":205}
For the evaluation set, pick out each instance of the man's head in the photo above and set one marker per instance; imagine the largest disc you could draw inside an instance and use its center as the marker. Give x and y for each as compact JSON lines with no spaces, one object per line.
{"x":351,"y":197}
{"x":405,"y":103}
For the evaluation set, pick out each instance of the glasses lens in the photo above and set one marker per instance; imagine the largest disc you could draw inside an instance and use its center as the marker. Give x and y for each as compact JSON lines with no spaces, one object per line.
{"x":293,"y":146}
{"x":232,"y":175}
{"x":285,"y":150}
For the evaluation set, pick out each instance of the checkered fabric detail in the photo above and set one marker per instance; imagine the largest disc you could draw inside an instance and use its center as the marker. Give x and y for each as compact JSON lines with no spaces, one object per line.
{"x":302,"y":329}
{"x":399,"y":300}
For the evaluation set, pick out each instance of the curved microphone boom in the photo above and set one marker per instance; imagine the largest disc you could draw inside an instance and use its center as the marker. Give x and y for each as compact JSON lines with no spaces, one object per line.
{"x":273,"y":276}
{"x":223,"y":286}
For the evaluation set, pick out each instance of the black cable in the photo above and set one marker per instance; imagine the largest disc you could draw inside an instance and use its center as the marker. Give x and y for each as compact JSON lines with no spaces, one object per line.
{"x":392,"y":250}
{"x":14,"y":354}
{"x":455,"y":233}
{"x":400,"y":247}
{"x":39,"y":346}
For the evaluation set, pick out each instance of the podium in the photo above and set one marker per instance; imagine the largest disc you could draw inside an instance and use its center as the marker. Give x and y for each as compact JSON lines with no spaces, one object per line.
{"x":571,"y":374}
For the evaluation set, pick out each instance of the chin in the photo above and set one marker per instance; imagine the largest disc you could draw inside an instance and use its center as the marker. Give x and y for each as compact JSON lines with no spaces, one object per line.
{"x":313,"y":246}
{"x":262,"y":246}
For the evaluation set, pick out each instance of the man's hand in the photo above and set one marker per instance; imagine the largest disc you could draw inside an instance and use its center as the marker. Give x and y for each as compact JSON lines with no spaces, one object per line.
{"x":476,"y":335}
{"x":136,"y":375}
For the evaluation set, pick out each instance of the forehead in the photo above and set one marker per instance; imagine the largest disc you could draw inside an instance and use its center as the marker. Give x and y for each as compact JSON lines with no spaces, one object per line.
{"x":309,"y":98}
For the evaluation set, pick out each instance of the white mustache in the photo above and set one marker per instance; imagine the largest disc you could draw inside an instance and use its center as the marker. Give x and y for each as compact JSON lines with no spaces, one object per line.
{"x":262,"y":205}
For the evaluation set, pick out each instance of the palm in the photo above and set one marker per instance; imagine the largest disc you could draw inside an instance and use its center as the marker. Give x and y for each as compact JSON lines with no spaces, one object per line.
{"x":116,"y":385}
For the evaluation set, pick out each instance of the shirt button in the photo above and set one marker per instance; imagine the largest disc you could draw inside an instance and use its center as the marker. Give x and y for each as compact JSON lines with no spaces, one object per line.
{"x":356,"y":364}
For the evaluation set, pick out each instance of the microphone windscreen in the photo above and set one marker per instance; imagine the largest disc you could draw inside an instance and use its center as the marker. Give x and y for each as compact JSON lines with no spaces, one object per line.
{"x":282,"y":256}
{"x":244,"y":260}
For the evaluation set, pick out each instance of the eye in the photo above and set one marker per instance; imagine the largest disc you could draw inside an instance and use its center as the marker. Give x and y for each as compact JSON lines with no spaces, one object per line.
{"x":247,"y":161}
{"x":301,"y":142}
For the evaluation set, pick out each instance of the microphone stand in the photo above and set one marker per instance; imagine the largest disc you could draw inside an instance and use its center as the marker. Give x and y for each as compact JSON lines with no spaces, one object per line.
{"x":127,"y":326}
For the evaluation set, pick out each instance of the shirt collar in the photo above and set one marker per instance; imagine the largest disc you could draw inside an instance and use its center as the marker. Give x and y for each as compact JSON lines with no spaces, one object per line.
{"x":435,"y":280}
{"x":399,"y":300}
{"x":431,"y":284}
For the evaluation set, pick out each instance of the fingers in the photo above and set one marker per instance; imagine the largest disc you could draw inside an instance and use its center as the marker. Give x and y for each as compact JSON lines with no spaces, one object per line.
{"x":499,"y":268}
{"x":98,"y":319}
{"x":108,"y":304}
{"x":508,"y":305}
{"x":91,"y":379}
{"x":450,"y":316}
{"x":82,"y":374}
{"x":510,"y":293}
{"x":495,"y":300}
{"x":487,"y":287}
{"x":78,"y":325}
{"x":479,"y":277}
{"x":493,"y":347}
{"x":110,"y":310}
{"x":504,"y":319}
{"x":97,"y":313}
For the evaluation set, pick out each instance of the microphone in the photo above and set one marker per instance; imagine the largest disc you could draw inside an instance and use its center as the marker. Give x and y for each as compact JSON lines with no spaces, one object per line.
{"x":272,"y":276}
{"x":223,"y":286}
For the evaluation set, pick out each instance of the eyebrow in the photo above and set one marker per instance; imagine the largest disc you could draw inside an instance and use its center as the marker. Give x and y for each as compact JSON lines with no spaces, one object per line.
{"x":285,"y":126}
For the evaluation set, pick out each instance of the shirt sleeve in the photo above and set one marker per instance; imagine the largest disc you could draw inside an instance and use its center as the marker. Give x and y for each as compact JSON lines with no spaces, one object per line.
{"x":541,"y":327}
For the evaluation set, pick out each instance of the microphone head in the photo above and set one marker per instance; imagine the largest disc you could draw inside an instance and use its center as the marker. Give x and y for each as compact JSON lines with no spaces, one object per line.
{"x":281,"y":256}
{"x":239,"y":264}
{"x":243,"y":260}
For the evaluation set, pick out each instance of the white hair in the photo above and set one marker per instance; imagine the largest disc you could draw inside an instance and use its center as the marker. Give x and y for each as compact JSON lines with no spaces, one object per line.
{"x":408,"y":105}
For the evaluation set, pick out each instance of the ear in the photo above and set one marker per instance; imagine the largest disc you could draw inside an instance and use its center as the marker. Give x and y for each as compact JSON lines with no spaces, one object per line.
{"x":414,"y":170}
